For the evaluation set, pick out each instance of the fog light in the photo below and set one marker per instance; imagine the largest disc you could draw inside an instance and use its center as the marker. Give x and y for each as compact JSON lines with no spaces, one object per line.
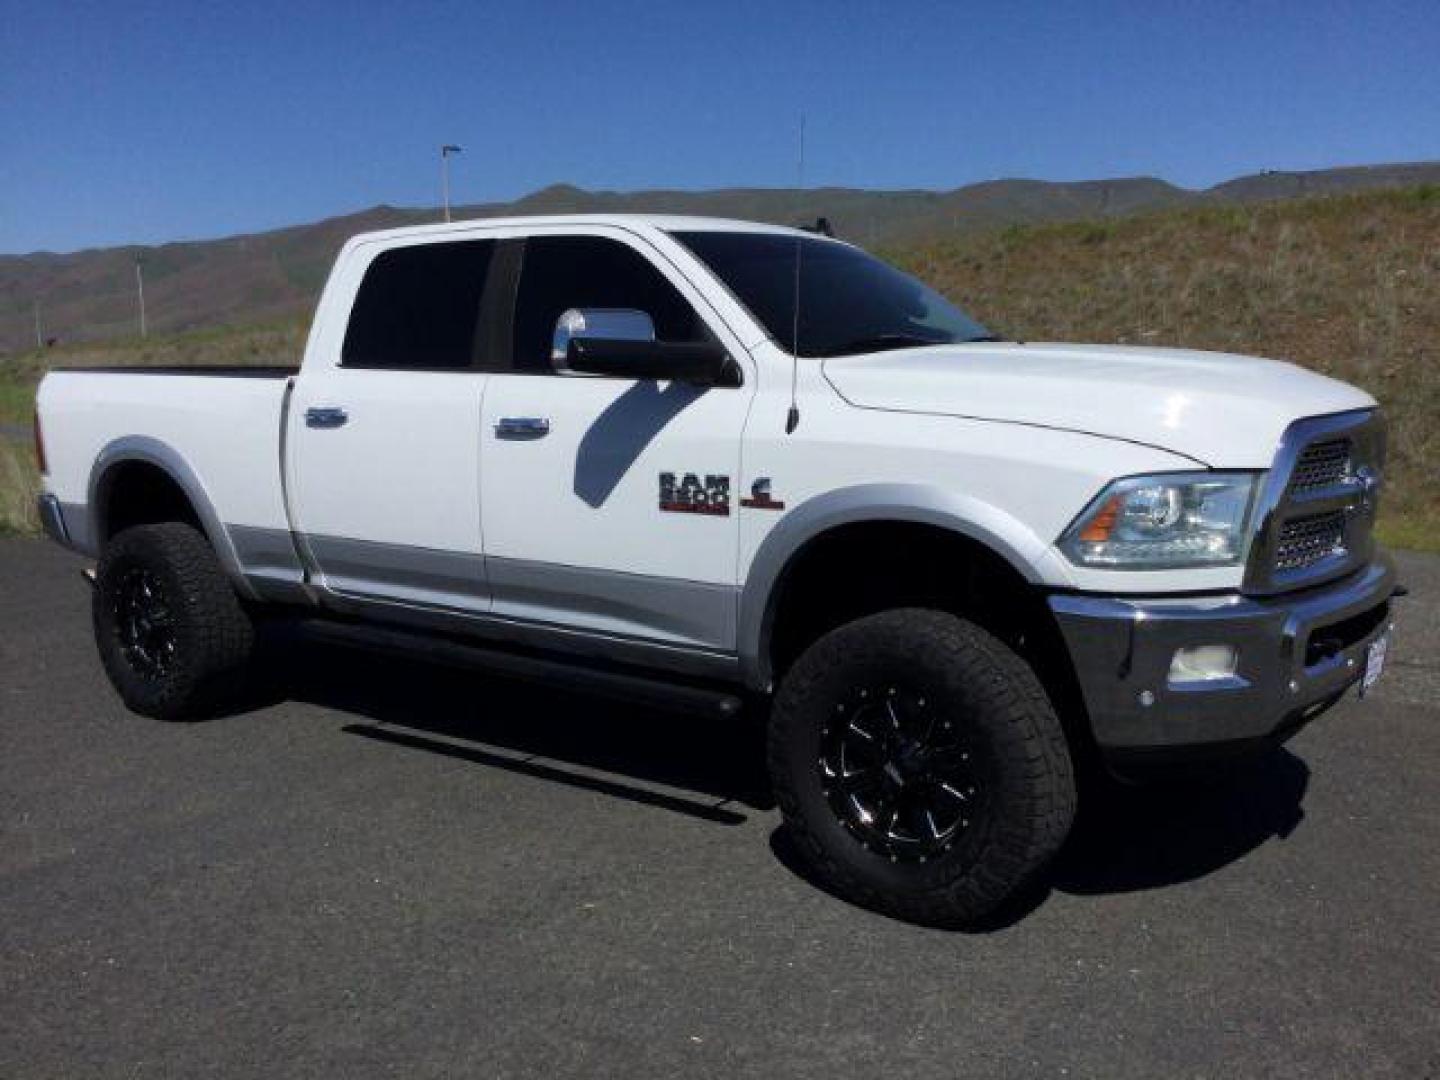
{"x":1203,"y":663}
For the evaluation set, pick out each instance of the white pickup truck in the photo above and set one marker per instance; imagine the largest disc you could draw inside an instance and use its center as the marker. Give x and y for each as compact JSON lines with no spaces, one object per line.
{"x":700,"y":461}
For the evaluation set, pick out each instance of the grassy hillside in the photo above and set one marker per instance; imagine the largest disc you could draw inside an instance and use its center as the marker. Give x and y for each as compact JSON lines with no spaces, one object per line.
{"x":262,"y":277}
{"x":1347,"y":285}
{"x":18,"y":487}
{"x":277,"y":343}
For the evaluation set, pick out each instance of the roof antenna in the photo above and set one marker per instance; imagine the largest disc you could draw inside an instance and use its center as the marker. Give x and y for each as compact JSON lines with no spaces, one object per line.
{"x":792,"y":419}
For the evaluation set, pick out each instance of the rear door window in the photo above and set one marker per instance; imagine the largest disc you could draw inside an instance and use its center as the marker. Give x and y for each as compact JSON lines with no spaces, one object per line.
{"x":418,"y":308}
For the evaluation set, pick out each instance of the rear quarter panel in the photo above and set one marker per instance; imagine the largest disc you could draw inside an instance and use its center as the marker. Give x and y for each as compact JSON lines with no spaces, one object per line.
{"x":226,"y":430}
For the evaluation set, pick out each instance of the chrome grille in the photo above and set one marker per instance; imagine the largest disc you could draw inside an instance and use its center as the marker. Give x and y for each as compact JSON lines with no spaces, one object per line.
{"x":1305,"y":541}
{"x":1321,"y":465}
{"x":1316,"y":510}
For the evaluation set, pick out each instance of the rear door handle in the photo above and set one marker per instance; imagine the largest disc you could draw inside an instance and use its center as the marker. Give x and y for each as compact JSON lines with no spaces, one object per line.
{"x":325,"y":416}
{"x":522,"y":427}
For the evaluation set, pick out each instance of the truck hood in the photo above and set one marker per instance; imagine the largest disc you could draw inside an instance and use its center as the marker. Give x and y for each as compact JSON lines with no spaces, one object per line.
{"x":1218,"y":409}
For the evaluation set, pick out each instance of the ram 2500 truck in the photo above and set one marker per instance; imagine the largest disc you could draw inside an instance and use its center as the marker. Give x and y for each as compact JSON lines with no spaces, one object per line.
{"x":701,"y":461}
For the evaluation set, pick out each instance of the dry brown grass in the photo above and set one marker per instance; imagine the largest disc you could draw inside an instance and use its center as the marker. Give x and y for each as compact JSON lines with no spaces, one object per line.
{"x":19,"y":486}
{"x":269,"y":344}
{"x":1348,"y":286}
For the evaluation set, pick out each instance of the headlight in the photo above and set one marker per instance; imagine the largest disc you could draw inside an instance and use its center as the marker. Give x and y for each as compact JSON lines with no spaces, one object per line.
{"x":1165,"y":521}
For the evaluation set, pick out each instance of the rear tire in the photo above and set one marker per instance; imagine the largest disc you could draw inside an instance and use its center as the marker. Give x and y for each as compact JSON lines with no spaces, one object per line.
{"x":173,"y":636}
{"x":920,"y":767}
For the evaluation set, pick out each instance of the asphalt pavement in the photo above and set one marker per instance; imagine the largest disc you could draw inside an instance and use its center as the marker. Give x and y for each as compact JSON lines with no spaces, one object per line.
{"x":391,"y":869}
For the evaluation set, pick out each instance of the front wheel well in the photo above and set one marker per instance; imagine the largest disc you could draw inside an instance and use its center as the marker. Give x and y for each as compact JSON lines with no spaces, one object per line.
{"x":867,"y":567}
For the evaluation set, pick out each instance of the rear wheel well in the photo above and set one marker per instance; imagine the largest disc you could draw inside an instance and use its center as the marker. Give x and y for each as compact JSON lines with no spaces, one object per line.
{"x":864,"y":568}
{"x":139,"y":493}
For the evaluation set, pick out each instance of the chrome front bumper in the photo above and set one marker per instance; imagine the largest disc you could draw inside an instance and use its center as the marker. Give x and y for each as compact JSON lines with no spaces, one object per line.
{"x":1297,"y":654}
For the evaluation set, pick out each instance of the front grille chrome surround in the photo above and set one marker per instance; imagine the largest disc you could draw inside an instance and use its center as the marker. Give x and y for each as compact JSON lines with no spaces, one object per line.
{"x":1316,"y":510}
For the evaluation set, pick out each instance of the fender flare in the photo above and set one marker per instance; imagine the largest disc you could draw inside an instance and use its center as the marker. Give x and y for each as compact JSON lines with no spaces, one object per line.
{"x":151,"y":451}
{"x":924,"y":504}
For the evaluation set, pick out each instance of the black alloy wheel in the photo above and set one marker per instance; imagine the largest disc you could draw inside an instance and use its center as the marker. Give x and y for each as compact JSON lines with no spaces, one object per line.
{"x":899,"y":773}
{"x":144,"y":624}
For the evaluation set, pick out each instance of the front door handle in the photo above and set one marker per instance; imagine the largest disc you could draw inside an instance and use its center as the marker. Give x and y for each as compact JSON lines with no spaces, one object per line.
{"x":522,"y":427}
{"x":325,"y":416}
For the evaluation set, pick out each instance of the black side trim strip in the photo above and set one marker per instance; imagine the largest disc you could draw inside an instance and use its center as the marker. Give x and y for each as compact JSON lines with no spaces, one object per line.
{"x":567,"y":674}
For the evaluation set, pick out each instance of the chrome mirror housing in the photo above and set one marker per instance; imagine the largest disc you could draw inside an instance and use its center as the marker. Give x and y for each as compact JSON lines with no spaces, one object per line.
{"x":597,"y":324}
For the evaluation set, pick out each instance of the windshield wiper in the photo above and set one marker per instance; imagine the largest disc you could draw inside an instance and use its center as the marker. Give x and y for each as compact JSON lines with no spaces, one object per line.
{"x":879,"y":342}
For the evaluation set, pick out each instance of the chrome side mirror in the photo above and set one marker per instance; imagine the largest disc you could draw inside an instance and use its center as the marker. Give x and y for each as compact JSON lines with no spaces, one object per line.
{"x":597,"y":324}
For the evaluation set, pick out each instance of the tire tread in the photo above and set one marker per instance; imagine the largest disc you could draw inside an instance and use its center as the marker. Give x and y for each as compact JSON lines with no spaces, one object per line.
{"x":219,"y":635}
{"x":1014,"y":852}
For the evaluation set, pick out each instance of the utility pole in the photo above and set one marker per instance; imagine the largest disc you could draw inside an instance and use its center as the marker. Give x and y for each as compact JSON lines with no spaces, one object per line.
{"x":140,"y":292}
{"x":39,"y":337}
{"x":445,"y":152}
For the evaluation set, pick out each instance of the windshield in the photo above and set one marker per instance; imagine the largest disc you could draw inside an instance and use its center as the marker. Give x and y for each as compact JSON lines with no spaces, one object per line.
{"x":850,"y":302}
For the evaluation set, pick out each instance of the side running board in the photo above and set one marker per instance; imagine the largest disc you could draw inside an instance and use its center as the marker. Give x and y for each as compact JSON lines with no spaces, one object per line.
{"x":658,"y":693}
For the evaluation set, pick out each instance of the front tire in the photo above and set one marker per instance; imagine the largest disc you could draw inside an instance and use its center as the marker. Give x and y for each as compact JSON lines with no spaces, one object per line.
{"x":920,"y":767}
{"x":172,"y":634}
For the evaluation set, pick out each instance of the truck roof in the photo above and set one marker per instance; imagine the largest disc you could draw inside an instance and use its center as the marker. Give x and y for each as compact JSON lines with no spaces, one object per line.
{"x":663,"y":222}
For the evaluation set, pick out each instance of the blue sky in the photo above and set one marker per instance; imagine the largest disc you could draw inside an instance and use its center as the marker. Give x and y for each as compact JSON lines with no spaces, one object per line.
{"x":144,"y":122}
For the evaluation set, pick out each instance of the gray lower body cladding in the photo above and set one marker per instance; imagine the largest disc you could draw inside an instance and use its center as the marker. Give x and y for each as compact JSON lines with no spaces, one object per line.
{"x":686,"y":626}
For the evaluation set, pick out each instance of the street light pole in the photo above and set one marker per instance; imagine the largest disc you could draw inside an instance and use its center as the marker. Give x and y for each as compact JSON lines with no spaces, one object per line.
{"x":445,"y":152}
{"x":140,"y":292}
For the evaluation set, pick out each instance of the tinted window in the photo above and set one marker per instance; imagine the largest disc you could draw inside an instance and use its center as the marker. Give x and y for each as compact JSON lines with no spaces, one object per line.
{"x":850,"y":302}
{"x":418,"y":307}
{"x":563,"y":272}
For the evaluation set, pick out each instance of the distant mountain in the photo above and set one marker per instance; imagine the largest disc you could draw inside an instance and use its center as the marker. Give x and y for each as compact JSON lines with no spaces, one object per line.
{"x":90,"y":295}
{"x":1273,"y":184}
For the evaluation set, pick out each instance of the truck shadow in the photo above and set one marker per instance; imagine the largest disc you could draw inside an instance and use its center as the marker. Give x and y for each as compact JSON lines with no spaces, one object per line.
{"x":1177,"y":829}
{"x":1126,"y":839}
{"x":620,"y":434}
{"x":1132,"y":838}
{"x":701,"y":767}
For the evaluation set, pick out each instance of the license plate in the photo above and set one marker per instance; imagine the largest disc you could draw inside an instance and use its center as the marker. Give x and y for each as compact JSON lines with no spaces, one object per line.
{"x":1374,"y":662}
